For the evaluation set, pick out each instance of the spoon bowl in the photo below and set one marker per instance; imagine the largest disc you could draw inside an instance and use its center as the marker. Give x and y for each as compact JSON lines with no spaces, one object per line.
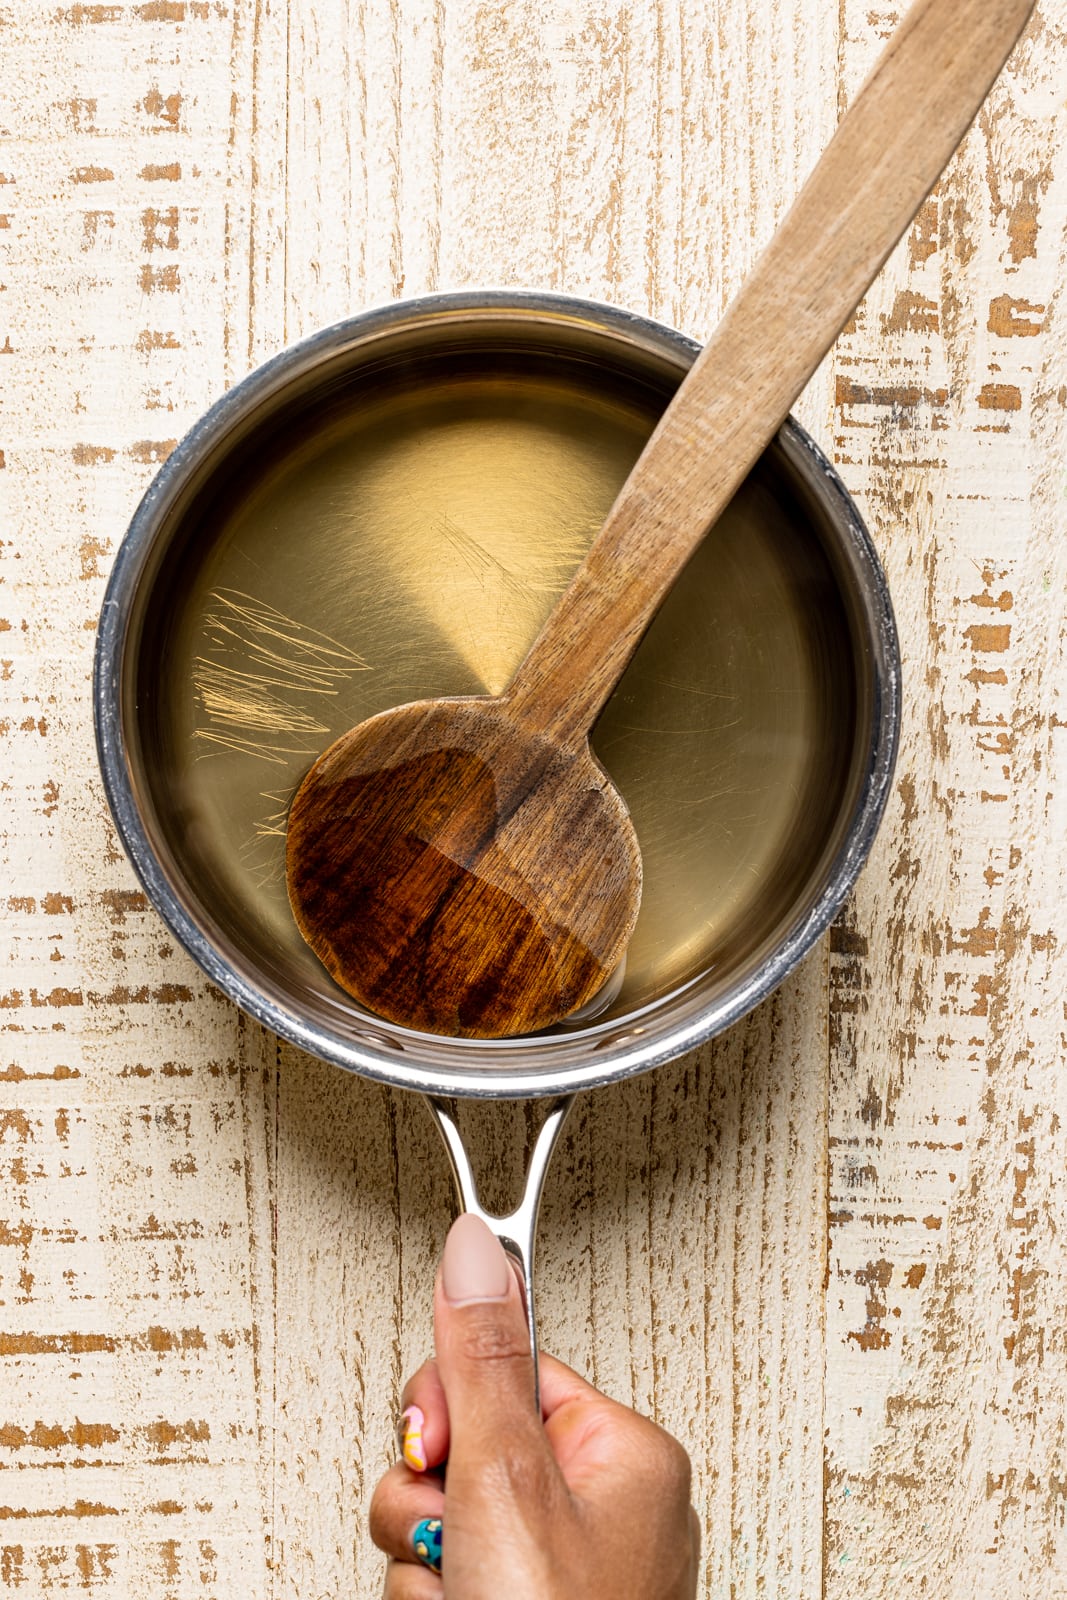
{"x":458,"y":873}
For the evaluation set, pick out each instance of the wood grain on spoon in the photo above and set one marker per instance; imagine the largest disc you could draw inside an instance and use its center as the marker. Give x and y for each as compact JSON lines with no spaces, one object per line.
{"x":466,"y":866}
{"x":459,"y":874}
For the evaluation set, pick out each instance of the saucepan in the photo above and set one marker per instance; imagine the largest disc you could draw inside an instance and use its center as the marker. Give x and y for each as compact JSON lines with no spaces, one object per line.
{"x":388,"y":510}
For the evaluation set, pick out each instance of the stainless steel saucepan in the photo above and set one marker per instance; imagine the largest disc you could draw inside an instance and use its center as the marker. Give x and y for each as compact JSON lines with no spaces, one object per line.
{"x":387,"y":511}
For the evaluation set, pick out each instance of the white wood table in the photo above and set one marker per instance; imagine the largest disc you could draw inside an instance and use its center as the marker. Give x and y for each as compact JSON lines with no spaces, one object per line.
{"x":830,"y":1250}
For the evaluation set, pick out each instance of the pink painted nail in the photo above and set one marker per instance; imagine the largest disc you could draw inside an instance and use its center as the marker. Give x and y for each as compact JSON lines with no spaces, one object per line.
{"x":409,"y":1431}
{"x":473,"y":1267}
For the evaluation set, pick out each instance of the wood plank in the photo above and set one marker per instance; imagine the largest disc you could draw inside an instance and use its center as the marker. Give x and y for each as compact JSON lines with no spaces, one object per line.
{"x":130,"y":1451}
{"x":945,"y":1373}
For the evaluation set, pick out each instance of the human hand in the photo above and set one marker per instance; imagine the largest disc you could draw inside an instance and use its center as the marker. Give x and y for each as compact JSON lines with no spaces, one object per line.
{"x":593,"y":1502}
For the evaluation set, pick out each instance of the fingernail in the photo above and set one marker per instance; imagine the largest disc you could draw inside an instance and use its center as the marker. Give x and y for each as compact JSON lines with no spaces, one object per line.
{"x":426,"y":1543}
{"x":474,"y":1266}
{"x":409,"y":1437}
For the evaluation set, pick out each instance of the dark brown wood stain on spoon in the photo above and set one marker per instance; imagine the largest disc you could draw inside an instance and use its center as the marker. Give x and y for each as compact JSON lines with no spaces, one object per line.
{"x":420,"y":870}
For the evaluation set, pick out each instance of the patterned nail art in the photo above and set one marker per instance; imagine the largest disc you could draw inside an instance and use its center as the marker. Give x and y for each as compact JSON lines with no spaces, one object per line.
{"x":426,"y":1542}
{"x":409,"y":1438}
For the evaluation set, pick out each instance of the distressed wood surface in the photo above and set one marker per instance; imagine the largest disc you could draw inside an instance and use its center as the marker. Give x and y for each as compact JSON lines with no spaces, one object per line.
{"x":829,"y":1250}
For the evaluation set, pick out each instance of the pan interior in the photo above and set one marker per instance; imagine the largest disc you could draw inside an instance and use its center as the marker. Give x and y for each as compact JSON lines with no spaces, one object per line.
{"x":401,"y":531}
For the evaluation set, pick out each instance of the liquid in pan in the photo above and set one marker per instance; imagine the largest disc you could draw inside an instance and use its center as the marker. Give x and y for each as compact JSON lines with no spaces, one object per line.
{"x":406,"y":539}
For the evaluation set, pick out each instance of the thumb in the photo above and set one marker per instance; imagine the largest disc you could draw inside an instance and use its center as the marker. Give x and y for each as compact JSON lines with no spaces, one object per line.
{"x":483,"y":1350}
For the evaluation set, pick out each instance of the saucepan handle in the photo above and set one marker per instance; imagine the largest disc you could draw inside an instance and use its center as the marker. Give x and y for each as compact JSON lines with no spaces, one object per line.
{"x":517,"y":1231}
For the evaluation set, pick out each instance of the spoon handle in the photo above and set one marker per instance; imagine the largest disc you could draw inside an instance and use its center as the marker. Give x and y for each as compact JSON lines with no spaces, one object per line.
{"x":880,"y":165}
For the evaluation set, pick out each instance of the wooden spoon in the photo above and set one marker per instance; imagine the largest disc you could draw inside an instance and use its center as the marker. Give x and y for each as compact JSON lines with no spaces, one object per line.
{"x":465,"y":866}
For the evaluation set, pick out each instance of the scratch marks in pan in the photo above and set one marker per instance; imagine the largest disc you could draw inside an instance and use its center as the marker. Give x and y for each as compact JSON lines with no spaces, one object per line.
{"x":261,"y":686}
{"x":482,"y":564}
{"x":274,"y":825}
{"x":559,"y":556}
{"x":256,"y":676}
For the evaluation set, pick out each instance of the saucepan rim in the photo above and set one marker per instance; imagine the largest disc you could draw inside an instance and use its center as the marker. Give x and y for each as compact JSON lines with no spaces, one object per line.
{"x":512,"y":1068}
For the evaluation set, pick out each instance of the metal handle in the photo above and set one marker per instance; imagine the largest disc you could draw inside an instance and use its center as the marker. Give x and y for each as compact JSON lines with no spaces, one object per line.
{"x":517,"y":1231}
